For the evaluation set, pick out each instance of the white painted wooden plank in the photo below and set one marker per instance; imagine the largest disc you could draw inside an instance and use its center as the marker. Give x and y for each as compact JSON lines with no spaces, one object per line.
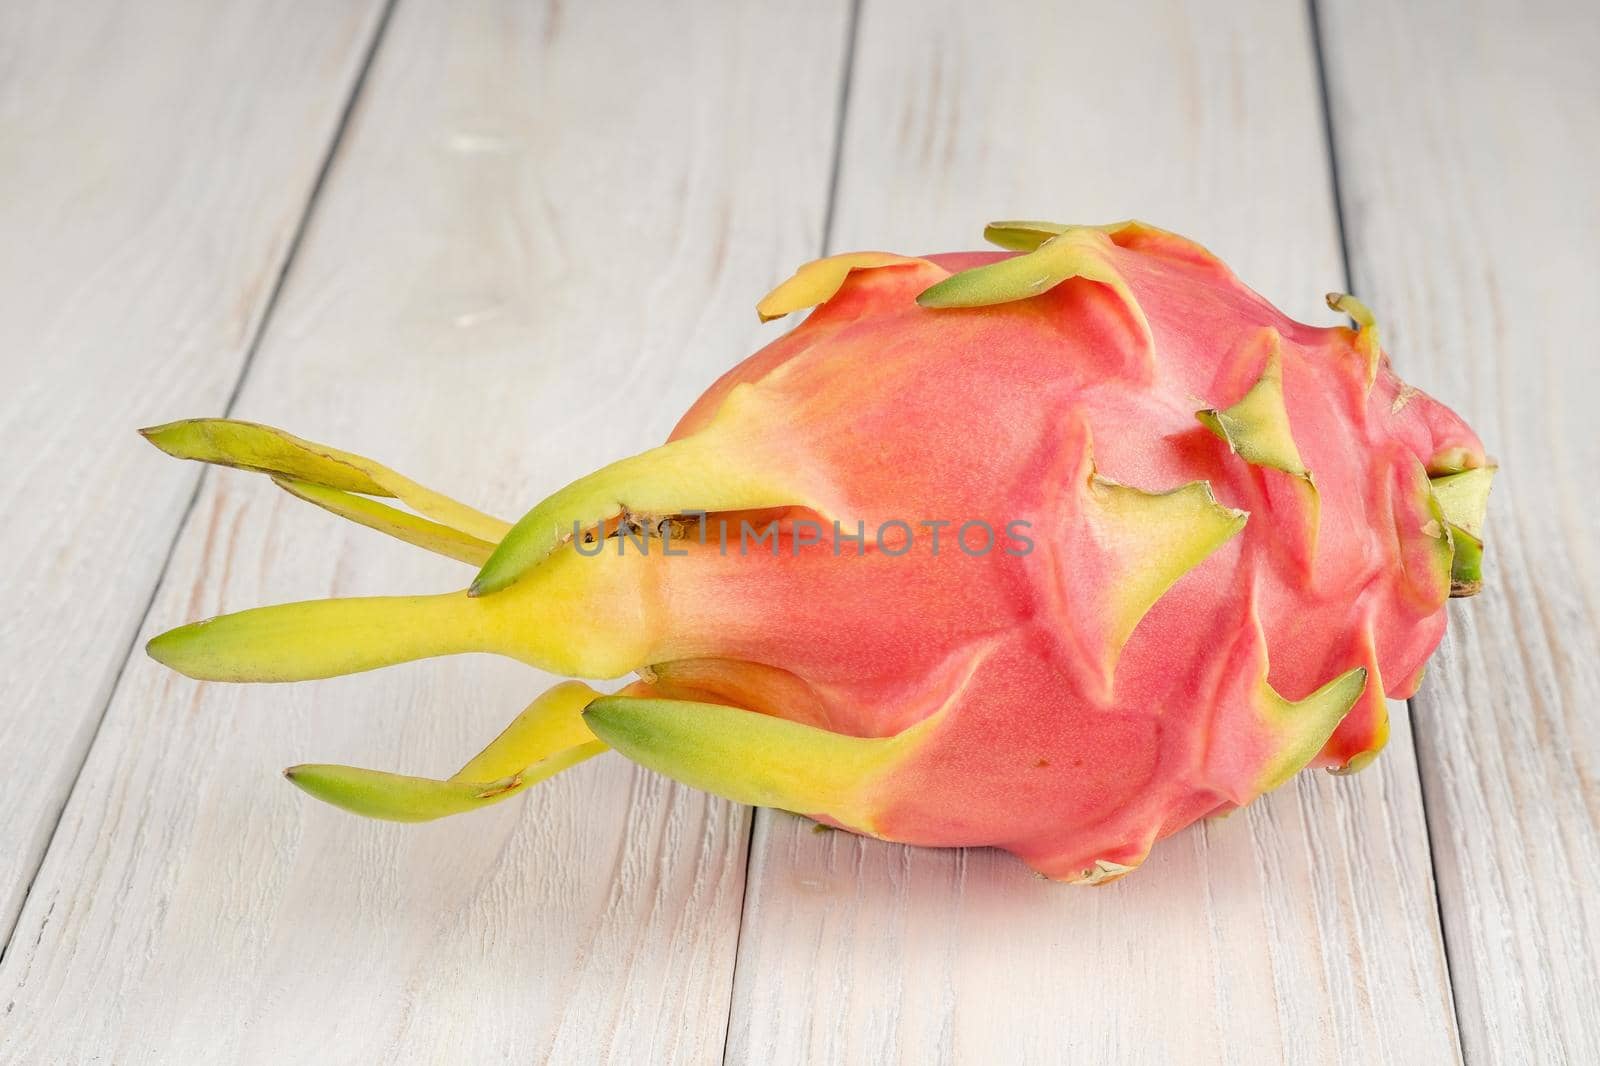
{"x":1302,"y":930}
{"x":1468,"y":139}
{"x":155,"y":161}
{"x":542,"y":238}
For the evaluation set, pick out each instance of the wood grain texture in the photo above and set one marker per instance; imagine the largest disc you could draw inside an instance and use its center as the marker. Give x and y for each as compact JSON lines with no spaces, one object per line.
{"x":1302,"y":930}
{"x":1468,"y":138}
{"x":154,"y":164}
{"x":542,"y":237}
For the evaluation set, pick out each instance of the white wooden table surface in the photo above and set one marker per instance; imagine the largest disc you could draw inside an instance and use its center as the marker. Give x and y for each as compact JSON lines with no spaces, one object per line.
{"x":461,"y":237}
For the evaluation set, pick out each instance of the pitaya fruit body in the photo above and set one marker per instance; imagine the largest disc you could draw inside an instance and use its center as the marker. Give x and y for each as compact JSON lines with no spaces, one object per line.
{"x":1056,"y":549}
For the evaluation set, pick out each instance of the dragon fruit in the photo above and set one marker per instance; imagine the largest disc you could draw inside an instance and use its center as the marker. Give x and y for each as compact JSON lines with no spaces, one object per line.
{"x":1056,"y":549}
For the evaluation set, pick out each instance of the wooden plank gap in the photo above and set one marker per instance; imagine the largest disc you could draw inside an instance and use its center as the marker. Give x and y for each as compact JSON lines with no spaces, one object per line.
{"x":1337,"y":190}
{"x":263,"y":318}
{"x":841,"y":117}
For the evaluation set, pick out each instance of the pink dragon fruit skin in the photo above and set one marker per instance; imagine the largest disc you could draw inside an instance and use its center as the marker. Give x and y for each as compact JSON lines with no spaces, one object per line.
{"x":1074,"y":544}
